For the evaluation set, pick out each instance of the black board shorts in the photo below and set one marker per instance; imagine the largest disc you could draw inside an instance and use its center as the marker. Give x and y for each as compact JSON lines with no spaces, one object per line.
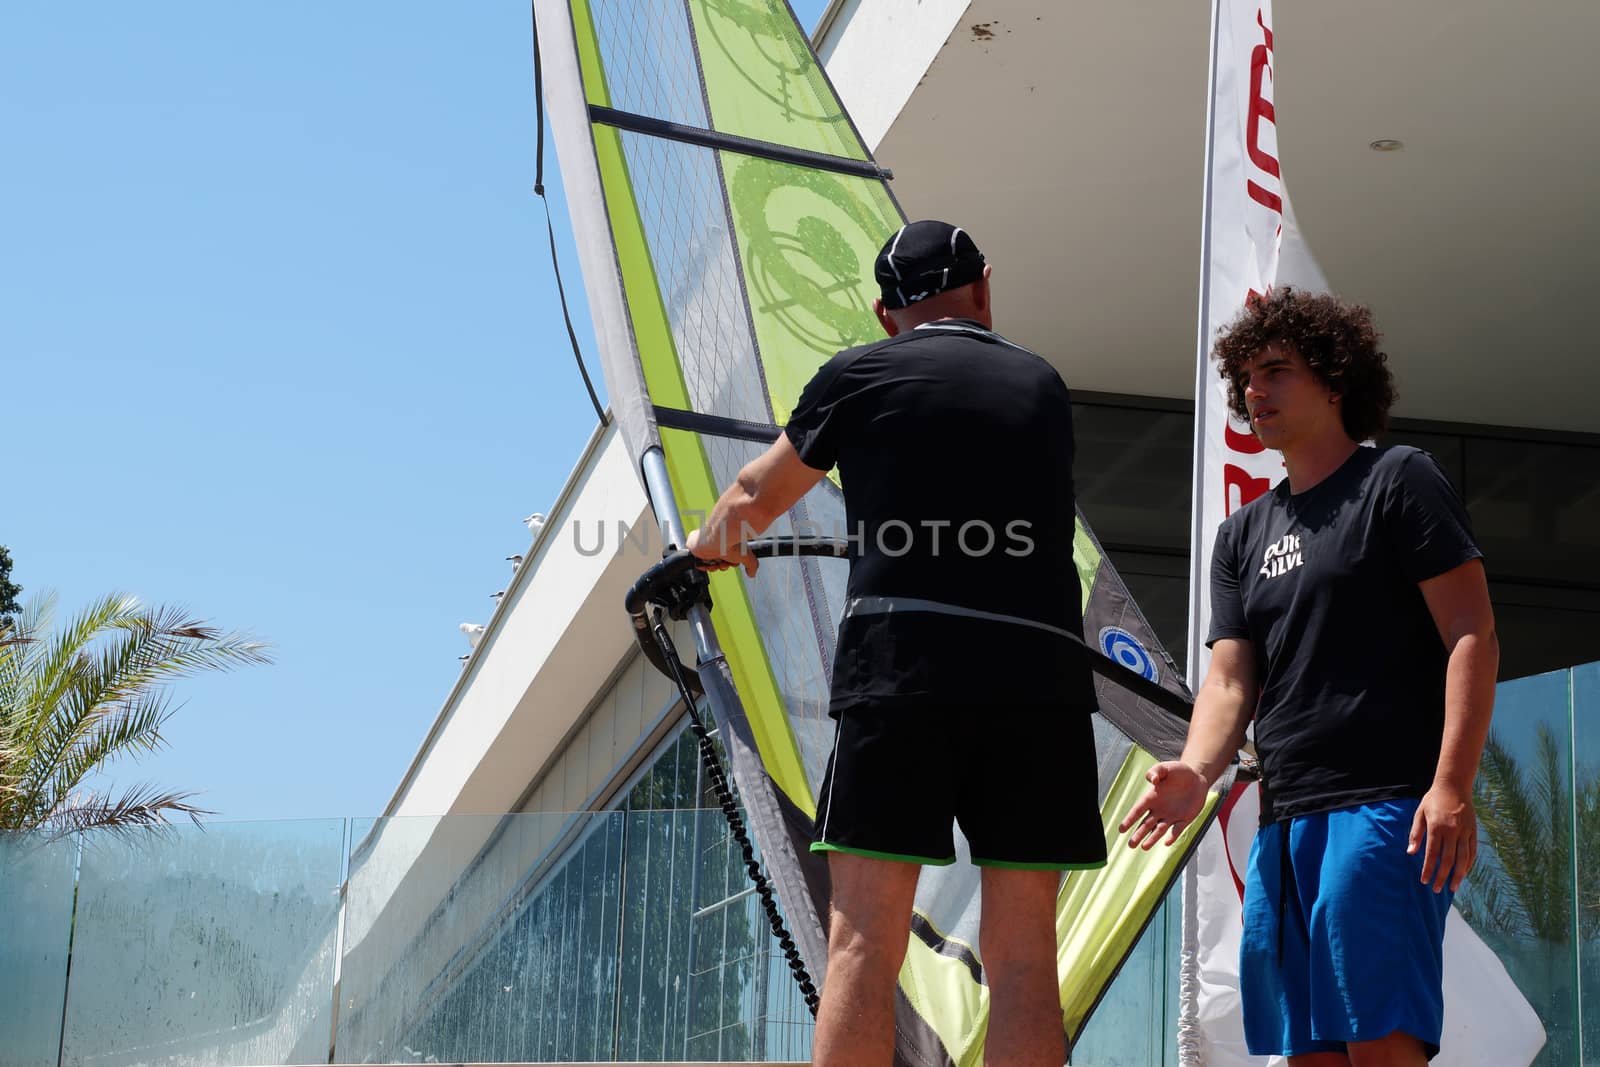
{"x":1021,"y":782}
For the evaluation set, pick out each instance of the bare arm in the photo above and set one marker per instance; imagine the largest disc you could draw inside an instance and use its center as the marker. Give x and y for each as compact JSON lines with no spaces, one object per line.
{"x":768,"y":486}
{"x":1458,"y":600}
{"x":1222,"y":710}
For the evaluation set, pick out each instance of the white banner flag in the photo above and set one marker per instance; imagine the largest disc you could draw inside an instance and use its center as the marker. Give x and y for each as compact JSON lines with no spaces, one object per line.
{"x":1251,"y":244}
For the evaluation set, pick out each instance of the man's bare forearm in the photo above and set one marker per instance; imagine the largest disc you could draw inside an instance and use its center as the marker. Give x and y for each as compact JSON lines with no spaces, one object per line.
{"x":1468,"y":704}
{"x":768,"y":486}
{"x":735,"y":517}
{"x":1216,"y":729}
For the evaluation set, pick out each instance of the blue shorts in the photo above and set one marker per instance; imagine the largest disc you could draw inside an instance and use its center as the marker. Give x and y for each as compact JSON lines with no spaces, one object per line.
{"x":1350,"y":947}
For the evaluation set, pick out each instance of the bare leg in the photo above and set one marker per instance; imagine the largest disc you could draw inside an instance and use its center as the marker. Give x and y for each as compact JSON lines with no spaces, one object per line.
{"x":1018,"y":941}
{"x":1398,"y":1049}
{"x":1320,"y":1059}
{"x":867,"y":934}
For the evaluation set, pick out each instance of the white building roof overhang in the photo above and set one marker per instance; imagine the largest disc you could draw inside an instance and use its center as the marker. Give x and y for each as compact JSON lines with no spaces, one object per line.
{"x":1069,"y":138}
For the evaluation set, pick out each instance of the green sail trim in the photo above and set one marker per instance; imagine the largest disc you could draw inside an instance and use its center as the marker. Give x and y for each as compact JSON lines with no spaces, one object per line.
{"x":735,"y":621}
{"x":1086,"y":554}
{"x":593,"y":72}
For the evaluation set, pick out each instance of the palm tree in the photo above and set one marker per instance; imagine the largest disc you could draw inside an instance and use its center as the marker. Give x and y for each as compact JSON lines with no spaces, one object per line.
{"x":1520,"y":894}
{"x":1525,"y":815}
{"x":76,"y":697}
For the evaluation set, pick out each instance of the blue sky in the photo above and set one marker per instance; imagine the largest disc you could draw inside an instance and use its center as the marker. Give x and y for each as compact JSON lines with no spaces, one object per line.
{"x":281,"y":344}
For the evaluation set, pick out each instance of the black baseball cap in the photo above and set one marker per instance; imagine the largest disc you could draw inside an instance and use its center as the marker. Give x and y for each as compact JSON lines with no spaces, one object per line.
{"x":924,"y":259}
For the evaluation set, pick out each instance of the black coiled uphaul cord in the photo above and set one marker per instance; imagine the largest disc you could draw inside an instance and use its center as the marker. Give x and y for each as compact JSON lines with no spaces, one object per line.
{"x":670,"y":589}
{"x":719,"y":783}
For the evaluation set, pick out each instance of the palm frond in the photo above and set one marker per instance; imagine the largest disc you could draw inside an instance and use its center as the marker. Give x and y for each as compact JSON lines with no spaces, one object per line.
{"x":1523,"y":813}
{"x":92,"y":692}
{"x":180,"y":645}
{"x":130,"y":728}
{"x":140,"y":807}
{"x":1490,"y":901}
{"x":145,"y":649}
{"x":12,"y":648}
{"x":52,"y":667}
{"x":8,"y":768}
{"x":1588,"y":843}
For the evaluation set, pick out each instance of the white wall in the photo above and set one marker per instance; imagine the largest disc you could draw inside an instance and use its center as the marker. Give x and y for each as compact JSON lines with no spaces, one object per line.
{"x":876,"y":54}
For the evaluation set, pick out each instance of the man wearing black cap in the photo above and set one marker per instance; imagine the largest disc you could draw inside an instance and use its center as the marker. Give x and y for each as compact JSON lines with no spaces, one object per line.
{"x":958,"y":697}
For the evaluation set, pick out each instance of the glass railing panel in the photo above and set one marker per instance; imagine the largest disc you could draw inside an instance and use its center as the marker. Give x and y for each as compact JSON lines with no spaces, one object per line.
{"x":724,"y":941}
{"x":744,"y":1002}
{"x":635,"y":931}
{"x":656,"y":917}
{"x":1586,"y":761}
{"x":1519,"y":898}
{"x":557,"y":938}
{"x":205,"y":947}
{"x":596,"y":937}
{"x":36,"y":876}
{"x":481,"y":939}
{"x":783,"y":1022}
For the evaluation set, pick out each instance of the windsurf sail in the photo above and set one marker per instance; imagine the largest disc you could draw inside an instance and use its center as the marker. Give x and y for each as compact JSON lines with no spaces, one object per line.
{"x":727,"y":214}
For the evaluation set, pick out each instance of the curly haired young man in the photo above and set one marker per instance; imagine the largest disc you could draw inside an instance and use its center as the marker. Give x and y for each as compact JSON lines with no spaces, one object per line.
{"x":1351,"y":618}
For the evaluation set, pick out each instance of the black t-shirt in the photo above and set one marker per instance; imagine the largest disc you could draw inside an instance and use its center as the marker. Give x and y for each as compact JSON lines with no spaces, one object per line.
{"x":954,"y":450}
{"x":1323,"y":584}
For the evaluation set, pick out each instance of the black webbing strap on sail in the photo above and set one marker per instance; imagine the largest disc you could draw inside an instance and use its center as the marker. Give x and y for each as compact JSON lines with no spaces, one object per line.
{"x":731,"y":142}
{"x":716,"y":425}
{"x":659,"y":582}
{"x":538,"y":190}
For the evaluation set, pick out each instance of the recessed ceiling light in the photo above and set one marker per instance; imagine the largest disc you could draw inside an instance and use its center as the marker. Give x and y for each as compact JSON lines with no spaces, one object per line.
{"x":1386,"y":145}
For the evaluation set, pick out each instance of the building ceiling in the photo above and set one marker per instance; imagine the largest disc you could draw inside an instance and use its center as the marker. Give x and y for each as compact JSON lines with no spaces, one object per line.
{"x":1069,"y":139}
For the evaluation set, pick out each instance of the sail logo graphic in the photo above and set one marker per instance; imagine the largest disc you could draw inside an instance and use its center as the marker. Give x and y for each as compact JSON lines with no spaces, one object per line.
{"x":1282,"y":556}
{"x":1126,"y":650}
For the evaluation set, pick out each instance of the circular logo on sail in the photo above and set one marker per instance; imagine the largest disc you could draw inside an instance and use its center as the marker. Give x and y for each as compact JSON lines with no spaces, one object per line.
{"x":807,"y":238}
{"x":1123,"y":647}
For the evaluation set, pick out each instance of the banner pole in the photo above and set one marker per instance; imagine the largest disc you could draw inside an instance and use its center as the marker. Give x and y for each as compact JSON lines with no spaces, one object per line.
{"x":1197,"y":553}
{"x":1189,"y":1037}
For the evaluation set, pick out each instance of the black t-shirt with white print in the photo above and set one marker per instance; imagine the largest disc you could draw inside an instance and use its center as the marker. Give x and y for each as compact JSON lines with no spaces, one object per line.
{"x":1324,"y":585}
{"x":954,"y":448}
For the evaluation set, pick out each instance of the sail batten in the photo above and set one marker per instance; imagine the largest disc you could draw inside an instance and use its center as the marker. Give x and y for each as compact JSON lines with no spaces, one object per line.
{"x":705,"y":138}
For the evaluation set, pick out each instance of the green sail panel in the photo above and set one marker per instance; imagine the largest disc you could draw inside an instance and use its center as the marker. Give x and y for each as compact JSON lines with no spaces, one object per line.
{"x":762,"y":80}
{"x":807,"y":242}
{"x":737,"y":276}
